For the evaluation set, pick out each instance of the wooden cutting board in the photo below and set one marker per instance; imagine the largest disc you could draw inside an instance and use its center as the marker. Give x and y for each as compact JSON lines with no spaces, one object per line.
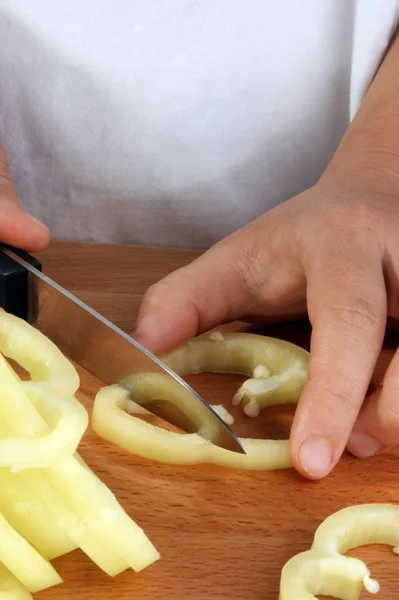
{"x":222,"y":534}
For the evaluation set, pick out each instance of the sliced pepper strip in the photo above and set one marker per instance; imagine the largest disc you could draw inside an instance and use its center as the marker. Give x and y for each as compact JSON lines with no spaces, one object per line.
{"x":279,"y":380}
{"x":63,"y":531}
{"x":31,"y":510}
{"x":95,"y":507}
{"x":10,"y":587}
{"x":323,"y":570}
{"x":24,"y":561}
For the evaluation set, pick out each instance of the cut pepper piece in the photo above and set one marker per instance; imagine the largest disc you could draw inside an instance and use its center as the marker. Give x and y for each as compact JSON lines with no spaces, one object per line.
{"x":37,"y":354}
{"x":10,"y":587}
{"x":32,"y":501}
{"x":24,"y":561}
{"x":277,"y":369}
{"x":27,"y":505}
{"x":96,"y":507}
{"x":113,"y":419}
{"x":323,"y":570}
{"x":39,"y":445}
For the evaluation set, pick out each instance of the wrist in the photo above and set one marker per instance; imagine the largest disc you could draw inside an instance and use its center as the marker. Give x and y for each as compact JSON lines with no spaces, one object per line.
{"x":365,"y":171}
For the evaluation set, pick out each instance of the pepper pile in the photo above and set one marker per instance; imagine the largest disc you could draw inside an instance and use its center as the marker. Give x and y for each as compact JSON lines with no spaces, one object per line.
{"x":50,"y":500}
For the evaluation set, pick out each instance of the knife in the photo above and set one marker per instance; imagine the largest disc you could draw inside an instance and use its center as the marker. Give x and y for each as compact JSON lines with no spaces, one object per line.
{"x":97,"y":345}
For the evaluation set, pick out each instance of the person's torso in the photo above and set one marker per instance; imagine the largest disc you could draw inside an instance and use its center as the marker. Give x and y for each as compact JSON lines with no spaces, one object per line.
{"x":175,"y":122}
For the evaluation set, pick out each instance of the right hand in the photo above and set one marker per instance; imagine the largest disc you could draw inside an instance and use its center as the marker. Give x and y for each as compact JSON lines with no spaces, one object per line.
{"x":17,"y":227}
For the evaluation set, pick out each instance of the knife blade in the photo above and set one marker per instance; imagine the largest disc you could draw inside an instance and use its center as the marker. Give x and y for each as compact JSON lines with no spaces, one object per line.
{"x":99,"y":346}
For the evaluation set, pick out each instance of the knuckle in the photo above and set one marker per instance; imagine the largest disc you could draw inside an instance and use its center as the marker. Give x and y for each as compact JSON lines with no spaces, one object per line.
{"x":361,"y":314}
{"x":247,"y":261}
{"x":342,"y":399}
{"x":349,"y":218}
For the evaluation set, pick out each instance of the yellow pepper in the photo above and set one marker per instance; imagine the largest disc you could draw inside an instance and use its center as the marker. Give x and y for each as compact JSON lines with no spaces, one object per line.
{"x":323,"y":570}
{"x":10,"y":587}
{"x":41,"y":425}
{"x":280,"y":370}
{"x":46,"y":404}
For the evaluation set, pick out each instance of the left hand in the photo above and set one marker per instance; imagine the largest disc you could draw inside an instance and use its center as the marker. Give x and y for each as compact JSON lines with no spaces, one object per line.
{"x":327,"y":249}
{"x":333,"y":251}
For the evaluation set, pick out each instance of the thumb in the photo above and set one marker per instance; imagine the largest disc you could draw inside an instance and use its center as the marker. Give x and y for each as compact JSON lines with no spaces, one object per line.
{"x":209,"y":291}
{"x":17,"y":227}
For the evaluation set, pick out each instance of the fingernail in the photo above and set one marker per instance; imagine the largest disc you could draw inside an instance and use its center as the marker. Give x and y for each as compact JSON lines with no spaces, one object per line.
{"x":363,"y":446}
{"x":315,"y":456}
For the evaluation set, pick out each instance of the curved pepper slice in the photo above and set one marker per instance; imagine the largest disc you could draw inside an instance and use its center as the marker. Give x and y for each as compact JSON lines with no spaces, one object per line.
{"x":113,"y":419}
{"x":323,"y":570}
{"x":37,"y":354}
{"x":39,"y":442}
{"x":280,"y":372}
{"x":56,"y":434}
{"x":277,"y":369}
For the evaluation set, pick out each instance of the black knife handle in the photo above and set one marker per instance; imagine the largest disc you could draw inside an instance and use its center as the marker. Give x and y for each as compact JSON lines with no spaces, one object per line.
{"x":14,"y":282}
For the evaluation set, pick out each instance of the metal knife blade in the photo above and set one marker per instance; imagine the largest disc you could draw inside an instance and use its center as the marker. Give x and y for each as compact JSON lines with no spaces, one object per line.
{"x":111,"y":355}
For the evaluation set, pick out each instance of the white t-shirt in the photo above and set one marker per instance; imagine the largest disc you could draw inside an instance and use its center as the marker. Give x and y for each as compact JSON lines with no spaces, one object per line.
{"x":175,"y":122}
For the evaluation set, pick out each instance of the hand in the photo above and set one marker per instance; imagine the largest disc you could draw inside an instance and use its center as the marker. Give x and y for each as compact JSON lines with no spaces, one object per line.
{"x":333,"y":250}
{"x":17,"y":228}
{"x":328,"y":250}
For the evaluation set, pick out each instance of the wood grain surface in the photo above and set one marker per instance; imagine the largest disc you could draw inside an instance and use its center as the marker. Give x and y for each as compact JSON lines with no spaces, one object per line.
{"x":222,"y":534}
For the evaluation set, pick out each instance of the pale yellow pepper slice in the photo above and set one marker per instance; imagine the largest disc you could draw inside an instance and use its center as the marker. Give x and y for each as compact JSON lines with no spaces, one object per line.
{"x":323,"y":570}
{"x":24,"y":561}
{"x":36,"y":354}
{"x":11,"y":588}
{"x":33,"y":506}
{"x":96,"y":507}
{"x":113,"y":419}
{"x":33,"y":511}
{"x":53,"y":384}
{"x":50,"y":439}
{"x":278,"y":371}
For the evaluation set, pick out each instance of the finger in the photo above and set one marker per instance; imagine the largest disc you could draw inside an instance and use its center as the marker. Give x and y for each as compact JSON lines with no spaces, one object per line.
{"x":377,"y":427}
{"x":248,"y":274}
{"x":17,"y":227}
{"x":347,"y":308}
{"x":209,"y":291}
